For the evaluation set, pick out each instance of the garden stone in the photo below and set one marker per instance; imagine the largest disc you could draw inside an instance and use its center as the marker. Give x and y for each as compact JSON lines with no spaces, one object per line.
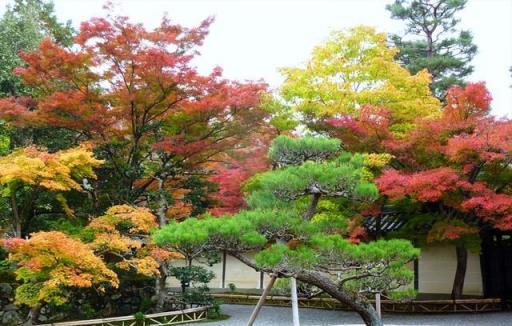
{"x":116,"y":296}
{"x":5,"y":290}
{"x":11,"y":318}
{"x":10,"y":307}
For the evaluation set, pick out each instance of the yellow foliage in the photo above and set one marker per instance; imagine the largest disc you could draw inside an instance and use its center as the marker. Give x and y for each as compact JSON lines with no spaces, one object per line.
{"x":53,"y":171}
{"x":377,"y":161}
{"x":145,"y":266}
{"x":124,"y":231}
{"x":353,"y":68}
{"x":49,"y":263}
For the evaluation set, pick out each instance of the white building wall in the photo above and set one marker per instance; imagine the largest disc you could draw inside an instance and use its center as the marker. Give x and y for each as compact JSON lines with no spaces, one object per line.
{"x":437,"y":265}
{"x":436,"y":272}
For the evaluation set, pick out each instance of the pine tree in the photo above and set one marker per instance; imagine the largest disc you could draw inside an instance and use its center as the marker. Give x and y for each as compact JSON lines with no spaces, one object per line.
{"x":432,"y":41}
{"x":295,"y":226}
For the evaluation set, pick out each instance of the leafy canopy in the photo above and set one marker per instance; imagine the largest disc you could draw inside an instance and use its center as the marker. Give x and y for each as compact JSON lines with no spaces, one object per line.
{"x":51,"y":265}
{"x":353,"y":68}
{"x":52,"y":171}
{"x":123,"y":234}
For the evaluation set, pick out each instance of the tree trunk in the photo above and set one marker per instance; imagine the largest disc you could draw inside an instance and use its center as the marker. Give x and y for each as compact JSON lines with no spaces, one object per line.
{"x":323,"y":282}
{"x":312,"y":207}
{"x":160,"y":281}
{"x":161,"y":212}
{"x":160,"y":288}
{"x":460,"y":274}
{"x":363,"y":308}
{"x":17,"y":219}
{"x":33,"y":315}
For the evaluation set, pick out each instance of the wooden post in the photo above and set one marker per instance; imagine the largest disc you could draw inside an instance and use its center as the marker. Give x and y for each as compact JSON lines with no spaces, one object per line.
{"x":377,"y":304}
{"x":295,"y":302}
{"x":224,"y":257}
{"x":416,"y":274}
{"x":262,"y":300}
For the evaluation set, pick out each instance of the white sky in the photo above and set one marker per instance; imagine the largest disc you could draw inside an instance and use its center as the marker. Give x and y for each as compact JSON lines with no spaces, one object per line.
{"x":251,"y":39}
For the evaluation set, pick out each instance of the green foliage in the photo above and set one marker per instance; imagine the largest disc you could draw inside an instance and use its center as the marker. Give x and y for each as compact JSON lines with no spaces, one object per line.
{"x":290,"y":234}
{"x":339,"y":178}
{"x":433,"y":42}
{"x":281,"y":115}
{"x":282,"y":287}
{"x":190,"y":275}
{"x":139,"y":316}
{"x":295,"y":151}
{"x":194,"y":283}
{"x":22,"y":27}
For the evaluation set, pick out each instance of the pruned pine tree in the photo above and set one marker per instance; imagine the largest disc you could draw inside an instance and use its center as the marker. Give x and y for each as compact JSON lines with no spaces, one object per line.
{"x":294,"y":224}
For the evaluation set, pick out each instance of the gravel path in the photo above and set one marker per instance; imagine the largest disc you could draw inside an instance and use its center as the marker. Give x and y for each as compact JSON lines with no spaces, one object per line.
{"x":282,"y":316}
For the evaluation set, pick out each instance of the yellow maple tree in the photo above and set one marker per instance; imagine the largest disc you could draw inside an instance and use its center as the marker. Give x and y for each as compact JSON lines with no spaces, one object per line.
{"x":39,"y":169}
{"x":355,"y":67}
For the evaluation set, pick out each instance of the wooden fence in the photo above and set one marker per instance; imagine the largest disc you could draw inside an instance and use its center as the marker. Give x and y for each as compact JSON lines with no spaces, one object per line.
{"x":157,"y":319}
{"x":410,"y":306}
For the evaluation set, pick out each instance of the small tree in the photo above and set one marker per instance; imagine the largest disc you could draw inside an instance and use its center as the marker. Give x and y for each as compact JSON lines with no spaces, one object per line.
{"x":121,"y":237}
{"x":194,"y":284}
{"x":432,"y":41}
{"x":51,"y":265}
{"x":293,"y":237}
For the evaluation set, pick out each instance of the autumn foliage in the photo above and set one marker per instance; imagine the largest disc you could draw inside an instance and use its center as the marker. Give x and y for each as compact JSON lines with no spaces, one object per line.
{"x":123,"y":234}
{"x":51,"y":264}
{"x":451,"y":160}
{"x":134,"y":94}
{"x":53,"y":171}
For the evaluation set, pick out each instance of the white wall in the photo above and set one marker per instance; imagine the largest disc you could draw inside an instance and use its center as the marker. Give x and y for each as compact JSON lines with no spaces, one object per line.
{"x":437,"y":266}
{"x":436,"y":272}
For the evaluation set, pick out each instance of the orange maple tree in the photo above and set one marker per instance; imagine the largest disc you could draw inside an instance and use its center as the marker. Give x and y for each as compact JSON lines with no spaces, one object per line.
{"x":134,"y":93}
{"x":51,"y":264}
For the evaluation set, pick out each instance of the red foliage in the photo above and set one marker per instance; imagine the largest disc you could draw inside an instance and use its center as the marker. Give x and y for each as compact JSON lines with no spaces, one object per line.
{"x":471,"y":101}
{"x":357,"y":234}
{"x":364,"y":132}
{"x":492,"y":207}
{"x":135,"y":88}
{"x":491,"y":140}
{"x":444,"y":230}
{"x":425,"y":186}
{"x":231,"y":175}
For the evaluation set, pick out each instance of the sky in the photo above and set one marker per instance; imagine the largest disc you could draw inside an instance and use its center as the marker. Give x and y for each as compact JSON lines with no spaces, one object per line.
{"x":252,"y":39}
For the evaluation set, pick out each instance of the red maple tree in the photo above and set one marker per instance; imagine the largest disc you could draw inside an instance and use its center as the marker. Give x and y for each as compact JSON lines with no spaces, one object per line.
{"x":457,"y":167}
{"x":136,"y":95}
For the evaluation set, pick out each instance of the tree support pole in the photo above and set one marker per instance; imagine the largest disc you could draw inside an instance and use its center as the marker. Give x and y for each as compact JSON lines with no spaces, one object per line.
{"x":261,"y":301}
{"x":377,"y":304}
{"x":295,"y":302}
